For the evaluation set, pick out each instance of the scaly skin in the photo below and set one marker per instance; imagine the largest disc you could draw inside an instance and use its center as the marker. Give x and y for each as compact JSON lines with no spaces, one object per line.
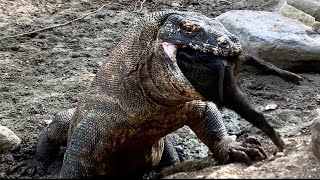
{"x":140,"y":95}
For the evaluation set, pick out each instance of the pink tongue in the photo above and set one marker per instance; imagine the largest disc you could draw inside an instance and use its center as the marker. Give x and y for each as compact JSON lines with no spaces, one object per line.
{"x":171,"y":50}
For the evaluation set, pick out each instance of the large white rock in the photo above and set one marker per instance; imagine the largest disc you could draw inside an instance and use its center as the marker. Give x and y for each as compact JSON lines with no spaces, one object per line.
{"x":285,"y":42}
{"x":8,"y":140}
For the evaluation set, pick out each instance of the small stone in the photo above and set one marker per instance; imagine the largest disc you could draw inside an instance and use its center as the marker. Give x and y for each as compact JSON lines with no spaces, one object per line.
{"x":233,"y":137}
{"x":316,"y":26}
{"x":8,"y":140}
{"x":279,"y":154}
{"x":270,"y":107}
{"x":47,"y":121}
{"x":175,"y":4}
{"x":318,"y":98}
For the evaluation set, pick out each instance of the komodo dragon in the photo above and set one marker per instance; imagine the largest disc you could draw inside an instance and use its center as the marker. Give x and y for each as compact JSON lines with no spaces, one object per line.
{"x":166,"y":73}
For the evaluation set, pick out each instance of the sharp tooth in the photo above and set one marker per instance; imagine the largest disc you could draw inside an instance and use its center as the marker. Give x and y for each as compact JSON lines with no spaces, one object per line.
{"x":193,"y":46}
{"x":204,"y":50}
{"x":215,"y":52}
{"x":206,"y":45}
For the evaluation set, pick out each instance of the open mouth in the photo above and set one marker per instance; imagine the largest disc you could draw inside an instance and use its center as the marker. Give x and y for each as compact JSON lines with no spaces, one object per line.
{"x":204,"y":68}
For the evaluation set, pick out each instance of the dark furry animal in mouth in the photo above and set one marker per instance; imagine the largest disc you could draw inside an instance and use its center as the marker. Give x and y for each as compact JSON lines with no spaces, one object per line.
{"x":202,"y":68}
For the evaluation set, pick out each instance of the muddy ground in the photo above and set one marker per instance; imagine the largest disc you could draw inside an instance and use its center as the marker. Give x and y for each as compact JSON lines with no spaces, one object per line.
{"x":44,"y":73}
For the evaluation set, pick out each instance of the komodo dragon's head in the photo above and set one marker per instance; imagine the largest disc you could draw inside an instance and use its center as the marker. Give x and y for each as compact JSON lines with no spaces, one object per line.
{"x":202,"y":47}
{"x":196,"y":33}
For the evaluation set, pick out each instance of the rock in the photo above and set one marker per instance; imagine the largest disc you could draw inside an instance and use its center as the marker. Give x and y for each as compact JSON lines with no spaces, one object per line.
{"x":285,"y":42}
{"x":174,"y":4}
{"x":47,"y":121}
{"x":318,"y":98}
{"x":311,"y":7}
{"x":292,"y":12}
{"x":315,"y":136}
{"x":279,"y":154}
{"x":270,"y":107}
{"x":316,"y":26}
{"x":8,"y":140}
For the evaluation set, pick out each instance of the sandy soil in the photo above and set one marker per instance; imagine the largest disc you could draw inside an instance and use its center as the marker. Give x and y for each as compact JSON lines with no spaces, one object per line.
{"x":44,"y":73}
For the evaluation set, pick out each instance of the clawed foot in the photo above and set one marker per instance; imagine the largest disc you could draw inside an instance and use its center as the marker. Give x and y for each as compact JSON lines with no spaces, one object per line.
{"x":28,"y":168}
{"x":290,"y":77}
{"x":247,"y":151}
{"x":270,"y":68}
{"x":233,"y":151}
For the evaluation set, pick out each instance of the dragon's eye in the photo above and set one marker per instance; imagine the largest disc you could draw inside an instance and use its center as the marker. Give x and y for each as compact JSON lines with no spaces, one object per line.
{"x":190,"y":28}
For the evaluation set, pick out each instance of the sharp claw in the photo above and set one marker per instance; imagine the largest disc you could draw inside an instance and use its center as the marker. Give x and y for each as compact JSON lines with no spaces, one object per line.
{"x":250,"y":149}
{"x":280,"y":144}
{"x":262,"y":152}
{"x":252,"y":140}
{"x":255,"y":151}
{"x":257,"y":154}
{"x":296,"y":80}
{"x":240,"y":156}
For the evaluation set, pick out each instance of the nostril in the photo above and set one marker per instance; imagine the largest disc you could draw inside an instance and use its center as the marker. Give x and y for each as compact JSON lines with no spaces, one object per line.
{"x":187,"y":28}
{"x":223,"y":41}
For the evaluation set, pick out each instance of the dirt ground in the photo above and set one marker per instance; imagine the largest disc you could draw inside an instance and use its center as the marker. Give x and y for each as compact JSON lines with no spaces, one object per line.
{"x":44,"y":73}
